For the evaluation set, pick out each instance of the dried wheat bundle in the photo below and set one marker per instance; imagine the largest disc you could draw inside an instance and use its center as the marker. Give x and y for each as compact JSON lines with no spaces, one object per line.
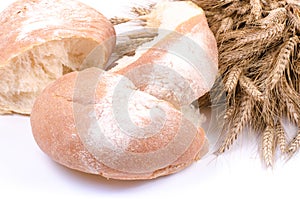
{"x":259,"y":64}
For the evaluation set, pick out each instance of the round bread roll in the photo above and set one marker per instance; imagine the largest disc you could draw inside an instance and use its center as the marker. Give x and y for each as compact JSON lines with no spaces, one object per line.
{"x":135,"y":121}
{"x":42,"y":40}
{"x":86,"y":131}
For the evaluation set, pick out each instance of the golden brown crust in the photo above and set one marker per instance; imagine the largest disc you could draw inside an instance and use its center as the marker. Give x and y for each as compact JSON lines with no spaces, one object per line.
{"x":43,"y":39}
{"x":55,"y":130}
{"x":183,"y":60}
{"x":66,"y":133}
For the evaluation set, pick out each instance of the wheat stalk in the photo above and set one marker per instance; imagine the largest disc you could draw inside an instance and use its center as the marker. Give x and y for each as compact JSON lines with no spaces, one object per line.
{"x":240,"y":121}
{"x":289,"y":91}
{"x":268,"y":145}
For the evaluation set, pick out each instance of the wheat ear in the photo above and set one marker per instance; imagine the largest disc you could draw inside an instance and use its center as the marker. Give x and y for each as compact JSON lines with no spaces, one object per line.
{"x":293,"y":16}
{"x":233,"y":79}
{"x":291,"y":110}
{"x":296,"y":67}
{"x":263,"y":36}
{"x":118,"y":20}
{"x":294,"y":144}
{"x":229,"y":113}
{"x":235,"y":35}
{"x":283,"y":61}
{"x":250,"y":88}
{"x":281,"y":138}
{"x":139,"y":11}
{"x":276,"y":16}
{"x":239,"y":122}
{"x":268,"y":145}
{"x":226,"y":25}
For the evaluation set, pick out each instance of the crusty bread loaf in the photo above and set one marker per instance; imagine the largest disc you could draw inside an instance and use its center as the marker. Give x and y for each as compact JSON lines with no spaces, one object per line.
{"x":181,"y":63}
{"x":115,"y":124}
{"x":64,"y":127}
{"x":43,"y":39}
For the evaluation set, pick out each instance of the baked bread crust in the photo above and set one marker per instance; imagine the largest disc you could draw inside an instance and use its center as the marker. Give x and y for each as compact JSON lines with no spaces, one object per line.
{"x":29,"y":29}
{"x":78,"y":120}
{"x":57,"y":133}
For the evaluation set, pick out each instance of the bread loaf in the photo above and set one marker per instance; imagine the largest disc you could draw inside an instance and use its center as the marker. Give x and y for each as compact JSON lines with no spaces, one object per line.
{"x":115,"y":124}
{"x":181,"y":63}
{"x":43,"y":39}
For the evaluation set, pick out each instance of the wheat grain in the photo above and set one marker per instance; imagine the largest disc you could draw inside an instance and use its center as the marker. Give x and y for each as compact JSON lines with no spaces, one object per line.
{"x":293,"y":13}
{"x":291,"y":96}
{"x":287,"y":89}
{"x":283,"y":61}
{"x":212,"y":3}
{"x":226,"y":25}
{"x":294,"y":144}
{"x":245,"y":54}
{"x":281,"y":138}
{"x":228,"y":114}
{"x":139,"y":11}
{"x":291,"y":110}
{"x":232,"y":8}
{"x":274,"y":4}
{"x":243,"y":9}
{"x":233,"y":79}
{"x":276,"y":16}
{"x":250,"y":88}
{"x":117,"y":20}
{"x":262,"y":35}
{"x":296,"y":67}
{"x":235,"y":35}
{"x":240,"y":121}
{"x":256,"y":10}
{"x":268,"y":145}
{"x":257,"y":69}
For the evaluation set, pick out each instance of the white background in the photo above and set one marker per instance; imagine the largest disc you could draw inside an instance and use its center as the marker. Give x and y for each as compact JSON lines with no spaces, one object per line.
{"x":25,"y":172}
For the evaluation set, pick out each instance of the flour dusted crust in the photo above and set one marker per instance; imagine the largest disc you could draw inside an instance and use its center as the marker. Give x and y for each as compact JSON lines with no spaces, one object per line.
{"x":87,"y":130}
{"x":183,"y":58}
{"x":62,"y":141}
{"x":43,"y":39}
